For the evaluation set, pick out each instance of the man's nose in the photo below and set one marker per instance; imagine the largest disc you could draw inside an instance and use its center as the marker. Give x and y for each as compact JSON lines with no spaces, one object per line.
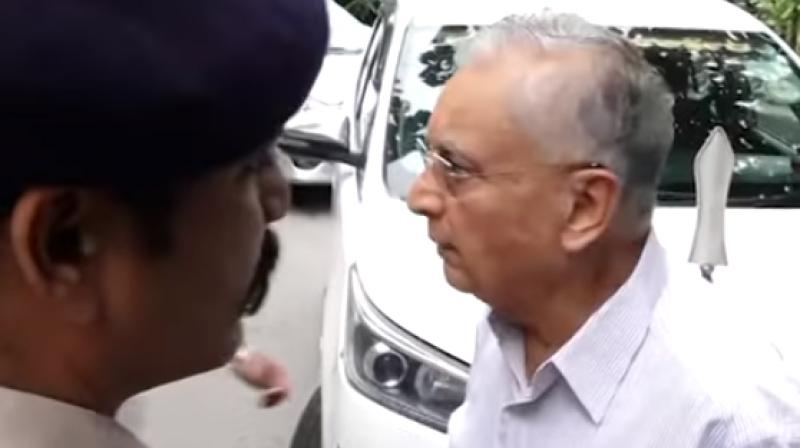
{"x":275,"y":195}
{"x":425,"y":197}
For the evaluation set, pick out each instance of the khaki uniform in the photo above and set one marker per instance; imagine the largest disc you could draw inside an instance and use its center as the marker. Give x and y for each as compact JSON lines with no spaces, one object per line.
{"x":32,"y":421}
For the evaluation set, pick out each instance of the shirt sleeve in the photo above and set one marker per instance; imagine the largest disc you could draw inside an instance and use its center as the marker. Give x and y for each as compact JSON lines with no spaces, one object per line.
{"x":772,"y":423}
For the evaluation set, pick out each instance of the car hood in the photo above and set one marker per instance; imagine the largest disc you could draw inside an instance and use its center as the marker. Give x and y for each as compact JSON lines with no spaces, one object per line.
{"x":403,"y":275}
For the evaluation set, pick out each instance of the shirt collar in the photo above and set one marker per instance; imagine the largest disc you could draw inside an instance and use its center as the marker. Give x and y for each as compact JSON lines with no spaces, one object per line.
{"x":36,"y":421}
{"x":595,"y":360}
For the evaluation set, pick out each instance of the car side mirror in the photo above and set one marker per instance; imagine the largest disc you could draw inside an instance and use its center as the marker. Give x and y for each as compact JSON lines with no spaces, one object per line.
{"x":295,"y":142}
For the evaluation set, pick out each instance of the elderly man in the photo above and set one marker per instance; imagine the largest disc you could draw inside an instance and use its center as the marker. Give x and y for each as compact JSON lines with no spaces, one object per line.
{"x":136,"y":184}
{"x":545,"y":153}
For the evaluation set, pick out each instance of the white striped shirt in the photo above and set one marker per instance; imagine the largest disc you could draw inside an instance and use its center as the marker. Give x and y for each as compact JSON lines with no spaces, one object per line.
{"x":661,"y":364}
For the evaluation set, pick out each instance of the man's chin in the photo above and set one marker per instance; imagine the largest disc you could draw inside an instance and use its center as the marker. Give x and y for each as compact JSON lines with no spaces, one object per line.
{"x":457,"y":278}
{"x":237,"y":338}
{"x":201,"y":356}
{"x":227,"y":347}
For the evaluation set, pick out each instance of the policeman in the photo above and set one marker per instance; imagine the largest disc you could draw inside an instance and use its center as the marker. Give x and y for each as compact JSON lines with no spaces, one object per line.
{"x":136,"y":185}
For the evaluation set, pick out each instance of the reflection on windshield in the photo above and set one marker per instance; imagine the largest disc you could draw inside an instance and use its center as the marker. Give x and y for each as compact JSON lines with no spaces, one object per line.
{"x":742,"y":82}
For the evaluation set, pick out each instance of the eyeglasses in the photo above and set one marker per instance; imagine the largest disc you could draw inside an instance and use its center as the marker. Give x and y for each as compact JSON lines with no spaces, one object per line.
{"x":451,"y":174}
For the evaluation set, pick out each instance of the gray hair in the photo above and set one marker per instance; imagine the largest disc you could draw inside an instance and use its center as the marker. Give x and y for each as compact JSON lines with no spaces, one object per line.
{"x":627,"y":109}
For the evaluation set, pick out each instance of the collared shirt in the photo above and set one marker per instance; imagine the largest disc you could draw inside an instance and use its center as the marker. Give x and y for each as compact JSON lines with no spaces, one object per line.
{"x":32,"y":421}
{"x":661,"y":364}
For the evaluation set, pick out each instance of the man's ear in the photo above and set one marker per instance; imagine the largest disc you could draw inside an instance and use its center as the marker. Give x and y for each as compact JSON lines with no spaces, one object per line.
{"x":51,"y":242}
{"x":596,"y":195}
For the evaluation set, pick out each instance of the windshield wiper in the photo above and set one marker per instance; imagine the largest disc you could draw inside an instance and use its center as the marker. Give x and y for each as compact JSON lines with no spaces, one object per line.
{"x":676,"y":197}
{"x":783,"y":200}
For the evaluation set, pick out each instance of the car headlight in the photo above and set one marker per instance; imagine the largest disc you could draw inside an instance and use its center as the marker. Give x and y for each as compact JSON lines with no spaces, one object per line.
{"x":392,"y":367}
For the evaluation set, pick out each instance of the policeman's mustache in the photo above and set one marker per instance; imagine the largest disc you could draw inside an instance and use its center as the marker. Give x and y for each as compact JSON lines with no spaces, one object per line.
{"x":259,"y":285}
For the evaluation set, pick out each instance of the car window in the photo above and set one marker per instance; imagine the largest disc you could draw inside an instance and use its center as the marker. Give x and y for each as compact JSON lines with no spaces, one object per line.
{"x":743,"y":82}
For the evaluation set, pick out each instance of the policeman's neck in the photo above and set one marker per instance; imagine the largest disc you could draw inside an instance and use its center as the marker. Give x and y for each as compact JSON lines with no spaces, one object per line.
{"x":63,"y":385}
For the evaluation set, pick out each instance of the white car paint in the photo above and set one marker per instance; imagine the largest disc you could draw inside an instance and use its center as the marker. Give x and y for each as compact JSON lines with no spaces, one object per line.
{"x":402,"y":274}
{"x":410,"y":280}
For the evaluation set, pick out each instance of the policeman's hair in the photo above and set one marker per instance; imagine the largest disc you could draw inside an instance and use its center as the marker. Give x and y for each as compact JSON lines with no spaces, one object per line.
{"x":627,"y":112}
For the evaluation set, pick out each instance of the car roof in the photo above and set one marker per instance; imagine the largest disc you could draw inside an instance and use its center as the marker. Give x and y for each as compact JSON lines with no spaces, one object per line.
{"x":682,"y":14}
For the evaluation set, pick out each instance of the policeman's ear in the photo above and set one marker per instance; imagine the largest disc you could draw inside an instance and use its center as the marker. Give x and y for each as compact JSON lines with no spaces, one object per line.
{"x":52,"y":243}
{"x":595,"y":196}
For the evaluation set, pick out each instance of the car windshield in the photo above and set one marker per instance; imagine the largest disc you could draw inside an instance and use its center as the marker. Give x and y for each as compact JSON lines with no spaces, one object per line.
{"x":743,"y":82}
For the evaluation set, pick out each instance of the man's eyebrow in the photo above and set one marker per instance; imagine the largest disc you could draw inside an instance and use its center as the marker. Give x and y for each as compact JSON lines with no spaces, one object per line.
{"x":446,"y":147}
{"x":452,"y":151}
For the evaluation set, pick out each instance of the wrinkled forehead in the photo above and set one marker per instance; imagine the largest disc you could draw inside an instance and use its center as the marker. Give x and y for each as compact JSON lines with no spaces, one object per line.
{"x":474,"y":104}
{"x":560,"y":98}
{"x":547,"y":95}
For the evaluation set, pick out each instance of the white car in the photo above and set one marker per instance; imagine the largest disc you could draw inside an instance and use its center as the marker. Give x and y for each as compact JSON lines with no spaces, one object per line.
{"x":330,"y":96}
{"x":396,"y":339}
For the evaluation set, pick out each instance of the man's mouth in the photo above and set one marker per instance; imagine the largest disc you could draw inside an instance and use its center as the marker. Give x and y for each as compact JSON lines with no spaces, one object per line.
{"x":259,"y":285}
{"x":447,"y":252}
{"x":441,"y":247}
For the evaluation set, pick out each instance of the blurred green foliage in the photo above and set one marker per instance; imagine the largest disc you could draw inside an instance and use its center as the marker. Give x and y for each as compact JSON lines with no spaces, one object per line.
{"x":782,"y":15}
{"x":364,"y":10}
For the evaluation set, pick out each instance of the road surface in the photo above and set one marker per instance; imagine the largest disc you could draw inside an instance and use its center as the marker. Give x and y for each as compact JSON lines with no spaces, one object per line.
{"x":214,"y":410}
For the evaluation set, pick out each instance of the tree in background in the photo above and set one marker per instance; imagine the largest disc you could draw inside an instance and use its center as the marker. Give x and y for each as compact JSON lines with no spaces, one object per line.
{"x":782,"y":15}
{"x":364,"y":10}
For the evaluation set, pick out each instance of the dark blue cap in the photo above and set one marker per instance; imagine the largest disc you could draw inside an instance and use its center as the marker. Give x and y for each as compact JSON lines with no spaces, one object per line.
{"x":92,"y":90}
